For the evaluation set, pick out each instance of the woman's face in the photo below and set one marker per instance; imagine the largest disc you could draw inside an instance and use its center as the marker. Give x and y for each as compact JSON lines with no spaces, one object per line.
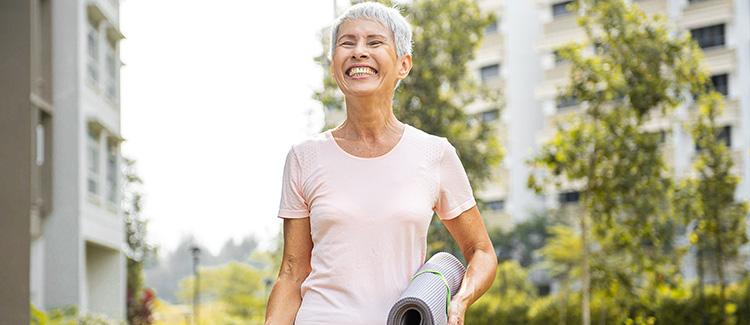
{"x":365,"y":61}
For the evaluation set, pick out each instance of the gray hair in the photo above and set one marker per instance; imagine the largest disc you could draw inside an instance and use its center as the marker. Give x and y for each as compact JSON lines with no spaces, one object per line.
{"x":389,"y":17}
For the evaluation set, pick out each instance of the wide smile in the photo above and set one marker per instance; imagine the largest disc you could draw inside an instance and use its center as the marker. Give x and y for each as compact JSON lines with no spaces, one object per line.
{"x":361,"y":72}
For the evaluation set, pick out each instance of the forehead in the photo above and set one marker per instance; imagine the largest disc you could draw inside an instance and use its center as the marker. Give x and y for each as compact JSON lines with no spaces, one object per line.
{"x":364,"y":28}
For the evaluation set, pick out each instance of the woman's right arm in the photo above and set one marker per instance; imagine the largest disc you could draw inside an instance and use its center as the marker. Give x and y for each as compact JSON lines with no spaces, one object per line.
{"x":285,"y":298}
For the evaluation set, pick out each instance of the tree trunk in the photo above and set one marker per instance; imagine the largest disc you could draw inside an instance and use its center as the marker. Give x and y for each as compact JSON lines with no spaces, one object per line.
{"x":720,"y":272}
{"x":585,"y":278}
{"x":701,"y":274}
{"x":564,"y":305}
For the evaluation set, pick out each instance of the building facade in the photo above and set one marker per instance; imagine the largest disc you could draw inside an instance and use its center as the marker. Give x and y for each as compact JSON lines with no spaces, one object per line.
{"x":77,"y":228}
{"x":518,"y":58}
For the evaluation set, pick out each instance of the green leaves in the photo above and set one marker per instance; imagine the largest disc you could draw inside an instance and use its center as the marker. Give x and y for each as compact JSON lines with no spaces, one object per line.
{"x":707,"y":197}
{"x":235,"y":288}
{"x":631,"y":70}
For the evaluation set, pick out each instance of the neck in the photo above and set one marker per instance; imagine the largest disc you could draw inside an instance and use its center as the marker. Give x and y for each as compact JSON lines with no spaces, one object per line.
{"x":369,"y":118}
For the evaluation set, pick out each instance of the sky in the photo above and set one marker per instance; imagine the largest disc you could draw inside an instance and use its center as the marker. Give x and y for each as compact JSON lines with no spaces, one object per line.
{"x":214,"y":93}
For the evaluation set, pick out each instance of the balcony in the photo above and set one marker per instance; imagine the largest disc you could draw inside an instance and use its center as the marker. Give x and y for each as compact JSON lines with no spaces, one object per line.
{"x":737,"y":157}
{"x":497,"y":186}
{"x":561,"y":30}
{"x":706,"y":12}
{"x":653,"y":7}
{"x":720,"y":59}
{"x":730,"y":115}
{"x":558,"y":74}
{"x":492,"y":46}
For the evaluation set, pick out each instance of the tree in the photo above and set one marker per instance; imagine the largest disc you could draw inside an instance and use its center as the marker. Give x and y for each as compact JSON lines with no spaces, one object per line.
{"x":237,"y":288}
{"x":139,"y":308}
{"x":522,"y":241}
{"x":507,"y":301}
{"x":626,"y":189}
{"x":446,"y":34}
{"x":707,"y":199}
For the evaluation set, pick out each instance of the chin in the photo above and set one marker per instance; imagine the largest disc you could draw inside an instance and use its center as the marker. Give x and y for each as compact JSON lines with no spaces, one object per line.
{"x":364,"y":89}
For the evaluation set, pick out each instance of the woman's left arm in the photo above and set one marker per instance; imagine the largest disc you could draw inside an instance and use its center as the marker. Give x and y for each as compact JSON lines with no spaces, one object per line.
{"x":469,"y":232}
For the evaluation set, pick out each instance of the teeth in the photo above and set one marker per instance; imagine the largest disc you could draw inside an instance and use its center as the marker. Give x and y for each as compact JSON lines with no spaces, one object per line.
{"x":361,"y":70}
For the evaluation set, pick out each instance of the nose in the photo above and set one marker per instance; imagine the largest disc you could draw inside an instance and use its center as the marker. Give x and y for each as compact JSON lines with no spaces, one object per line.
{"x":360,"y":51}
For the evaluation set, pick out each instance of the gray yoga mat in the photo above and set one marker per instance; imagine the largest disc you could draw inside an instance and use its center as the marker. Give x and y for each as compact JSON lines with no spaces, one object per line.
{"x":425,"y":301}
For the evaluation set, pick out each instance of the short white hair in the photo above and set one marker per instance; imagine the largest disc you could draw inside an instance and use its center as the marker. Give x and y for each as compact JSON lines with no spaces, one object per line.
{"x":389,"y":17}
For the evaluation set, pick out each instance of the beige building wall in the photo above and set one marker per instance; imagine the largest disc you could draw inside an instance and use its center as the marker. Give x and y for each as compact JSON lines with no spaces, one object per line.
{"x":16,"y":122}
{"x":62,"y":240}
{"x":721,"y":60}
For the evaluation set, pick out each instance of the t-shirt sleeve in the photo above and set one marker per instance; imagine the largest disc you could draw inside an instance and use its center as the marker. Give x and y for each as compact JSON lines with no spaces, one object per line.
{"x":454,"y":194}
{"x":292,"y":203}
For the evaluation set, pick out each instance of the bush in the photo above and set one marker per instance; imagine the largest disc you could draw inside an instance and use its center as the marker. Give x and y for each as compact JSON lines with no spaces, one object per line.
{"x":670,"y":305}
{"x":507,"y":300}
{"x":68,"y":316}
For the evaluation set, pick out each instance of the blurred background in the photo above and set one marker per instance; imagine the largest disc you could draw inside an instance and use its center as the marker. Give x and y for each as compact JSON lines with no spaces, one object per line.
{"x":142,"y":146}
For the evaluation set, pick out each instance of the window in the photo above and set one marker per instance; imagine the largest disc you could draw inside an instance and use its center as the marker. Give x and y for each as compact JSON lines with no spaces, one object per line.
{"x":720,"y":83}
{"x":40,"y":144}
{"x":558,"y":58}
{"x":544,"y":289}
{"x":709,"y":36}
{"x":93,"y":162}
{"x":496,"y":205}
{"x":600,"y":46}
{"x":569,"y":197}
{"x":111,"y":72}
{"x":724,"y":136}
{"x":661,"y":136}
{"x":93,"y":52}
{"x":112,"y":172}
{"x":566,"y":102}
{"x":490,"y":115}
{"x":491,"y":28}
{"x":561,"y":9}
{"x":489,"y":72}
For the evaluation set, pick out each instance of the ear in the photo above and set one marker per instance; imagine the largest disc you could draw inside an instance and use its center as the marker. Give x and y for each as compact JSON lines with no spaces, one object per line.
{"x":405,"y":66}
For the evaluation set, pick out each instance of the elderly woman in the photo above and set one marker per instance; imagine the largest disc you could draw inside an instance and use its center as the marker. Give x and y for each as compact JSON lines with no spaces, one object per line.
{"x":357,"y":199}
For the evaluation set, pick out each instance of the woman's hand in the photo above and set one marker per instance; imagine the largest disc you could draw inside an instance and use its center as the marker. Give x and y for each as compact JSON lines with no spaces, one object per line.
{"x":456,"y":312}
{"x":469,"y":232}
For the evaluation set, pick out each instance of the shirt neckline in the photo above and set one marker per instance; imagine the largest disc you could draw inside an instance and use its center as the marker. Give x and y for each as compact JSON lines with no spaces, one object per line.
{"x":329,"y":134}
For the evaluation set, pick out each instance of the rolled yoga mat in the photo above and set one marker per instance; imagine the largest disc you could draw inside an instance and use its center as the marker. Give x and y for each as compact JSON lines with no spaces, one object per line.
{"x":425,"y":301}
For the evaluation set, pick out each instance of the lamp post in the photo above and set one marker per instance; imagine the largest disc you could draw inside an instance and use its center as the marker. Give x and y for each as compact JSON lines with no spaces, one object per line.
{"x":196,"y":285}
{"x":268,"y":282}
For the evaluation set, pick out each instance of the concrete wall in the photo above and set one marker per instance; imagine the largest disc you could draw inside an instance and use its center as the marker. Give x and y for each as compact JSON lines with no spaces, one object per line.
{"x":103,"y":279}
{"x":16,"y":121}
{"x":63,"y":249}
{"x":524,"y":115}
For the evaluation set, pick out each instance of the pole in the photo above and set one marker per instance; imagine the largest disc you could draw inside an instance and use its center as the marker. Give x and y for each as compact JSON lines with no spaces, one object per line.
{"x":196,"y":285}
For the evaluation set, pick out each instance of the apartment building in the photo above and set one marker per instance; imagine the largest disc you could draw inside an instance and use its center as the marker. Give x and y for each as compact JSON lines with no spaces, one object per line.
{"x":522,"y":61}
{"x":69,"y":139}
{"x":508,"y":62}
{"x":83,"y":237}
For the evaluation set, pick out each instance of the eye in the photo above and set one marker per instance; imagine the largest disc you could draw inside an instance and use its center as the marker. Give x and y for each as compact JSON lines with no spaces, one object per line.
{"x":375,"y":43}
{"x":347,"y":43}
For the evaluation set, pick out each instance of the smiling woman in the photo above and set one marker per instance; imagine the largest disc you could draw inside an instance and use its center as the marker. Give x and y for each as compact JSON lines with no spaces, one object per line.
{"x":357,"y":199}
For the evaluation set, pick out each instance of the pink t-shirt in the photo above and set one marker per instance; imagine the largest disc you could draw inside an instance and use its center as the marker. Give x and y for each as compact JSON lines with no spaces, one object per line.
{"x":368,"y":220}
